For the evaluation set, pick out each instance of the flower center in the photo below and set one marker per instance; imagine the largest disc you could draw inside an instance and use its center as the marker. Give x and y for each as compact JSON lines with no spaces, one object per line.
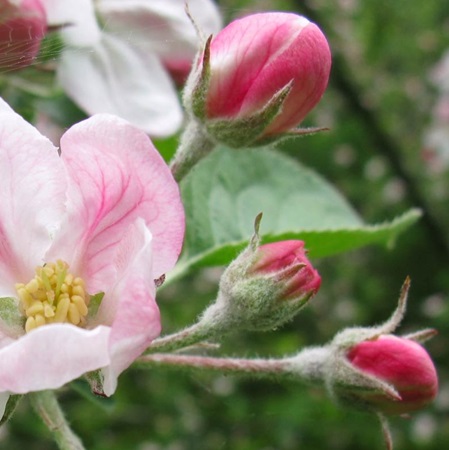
{"x":54,"y":295}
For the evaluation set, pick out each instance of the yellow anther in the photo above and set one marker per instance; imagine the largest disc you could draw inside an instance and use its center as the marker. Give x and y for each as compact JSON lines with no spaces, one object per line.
{"x":80,"y":304}
{"x":74,"y":315}
{"x":48,"y":311}
{"x":32,"y":286}
{"x":78,"y":290}
{"x":53,"y":296}
{"x":35,"y":308}
{"x":30,"y":324}
{"x":79,"y":282}
{"x":62,"y":309}
{"x":40,"y":320}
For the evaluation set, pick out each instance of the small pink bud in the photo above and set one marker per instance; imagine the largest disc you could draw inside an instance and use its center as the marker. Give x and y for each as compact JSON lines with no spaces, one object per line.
{"x":286,"y":262}
{"x":23,"y":25}
{"x":264,"y":287}
{"x":259,"y":77}
{"x":402,"y":363}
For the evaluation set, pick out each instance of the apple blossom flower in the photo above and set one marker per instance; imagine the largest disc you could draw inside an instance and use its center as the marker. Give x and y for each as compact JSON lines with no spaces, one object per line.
{"x":123,"y":66}
{"x":402,"y":363}
{"x":259,"y":77}
{"x":82,"y":238}
{"x":23,"y":24}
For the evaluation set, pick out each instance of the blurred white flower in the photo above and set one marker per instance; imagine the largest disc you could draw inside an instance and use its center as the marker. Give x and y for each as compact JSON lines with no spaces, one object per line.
{"x":120,"y":55}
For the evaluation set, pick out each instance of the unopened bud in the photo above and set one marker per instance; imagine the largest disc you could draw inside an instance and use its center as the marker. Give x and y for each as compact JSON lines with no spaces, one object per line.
{"x":23,"y":25}
{"x":371,"y":369}
{"x":264,"y":287}
{"x":259,"y":77}
{"x":402,"y":363}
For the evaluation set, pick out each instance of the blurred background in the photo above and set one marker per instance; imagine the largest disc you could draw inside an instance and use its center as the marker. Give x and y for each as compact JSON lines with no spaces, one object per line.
{"x":387,"y":150}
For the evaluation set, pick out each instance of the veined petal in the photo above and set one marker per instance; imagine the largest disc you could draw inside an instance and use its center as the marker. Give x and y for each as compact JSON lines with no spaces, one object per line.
{"x":162,"y":26}
{"x":50,"y":356}
{"x":115,"y":176}
{"x":32,"y":186}
{"x":78,"y":19}
{"x":124,"y":81}
{"x":136,"y":320}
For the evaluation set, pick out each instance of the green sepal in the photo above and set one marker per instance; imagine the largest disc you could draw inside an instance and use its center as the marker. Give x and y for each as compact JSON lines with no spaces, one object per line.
{"x":293,"y":133}
{"x":246,"y":131}
{"x":95,"y":380}
{"x":11,"y":405}
{"x":199,"y":93}
{"x":107,"y":404}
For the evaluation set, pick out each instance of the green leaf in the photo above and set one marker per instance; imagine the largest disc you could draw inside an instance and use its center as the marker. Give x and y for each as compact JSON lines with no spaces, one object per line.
{"x":226,"y":191}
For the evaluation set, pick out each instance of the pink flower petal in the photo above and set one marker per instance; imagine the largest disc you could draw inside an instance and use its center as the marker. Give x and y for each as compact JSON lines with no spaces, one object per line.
{"x":122,"y":80}
{"x":137,"y":320}
{"x":52,"y":355}
{"x":115,"y":176}
{"x":32,"y":186}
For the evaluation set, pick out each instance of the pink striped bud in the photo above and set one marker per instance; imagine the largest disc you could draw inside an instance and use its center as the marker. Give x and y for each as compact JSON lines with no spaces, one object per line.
{"x":402,"y":363}
{"x":23,"y":24}
{"x":259,"y":77}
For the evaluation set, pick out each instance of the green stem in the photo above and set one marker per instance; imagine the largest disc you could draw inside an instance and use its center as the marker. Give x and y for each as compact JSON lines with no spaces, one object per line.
{"x":47,"y":407}
{"x":184,"y":338}
{"x":195,"y":145}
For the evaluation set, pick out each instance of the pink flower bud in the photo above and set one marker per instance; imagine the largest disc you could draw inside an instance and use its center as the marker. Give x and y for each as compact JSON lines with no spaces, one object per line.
{"x":23,"y":25}
{"x":263,"y":288}
{"x":263,"y":74}
{"x":402,"y":363}
{"x":286,"y":262}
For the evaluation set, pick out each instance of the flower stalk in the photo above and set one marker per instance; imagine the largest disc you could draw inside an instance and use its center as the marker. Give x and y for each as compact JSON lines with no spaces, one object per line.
{"x":195,"y":145}
{"x":185,"y":338}
{"x":307,"y":366}
{"x":47,"y":407}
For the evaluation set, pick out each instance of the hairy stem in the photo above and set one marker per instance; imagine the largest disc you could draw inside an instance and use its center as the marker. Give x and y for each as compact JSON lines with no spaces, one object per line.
{"x":194,"y":145}
{"x":47,"y":407}
{"x":307,"y":366}
{"x":184,"y":338}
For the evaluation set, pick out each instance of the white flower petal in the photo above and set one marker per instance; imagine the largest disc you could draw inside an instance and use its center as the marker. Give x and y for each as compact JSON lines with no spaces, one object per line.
{"x":114,"y":77}
{"x":161,"y":25}
{"x":77,"y":17}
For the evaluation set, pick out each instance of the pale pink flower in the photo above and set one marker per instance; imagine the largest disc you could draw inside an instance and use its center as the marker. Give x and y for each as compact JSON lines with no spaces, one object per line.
{"x":254,"y":58}
{"x":106,"y":211}
{"x":403,"y":364}
{"x":123,"y":65}
{"x":23,"y":24}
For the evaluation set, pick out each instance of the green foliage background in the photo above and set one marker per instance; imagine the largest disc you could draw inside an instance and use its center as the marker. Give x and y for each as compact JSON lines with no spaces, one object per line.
{"x":378,"y":106}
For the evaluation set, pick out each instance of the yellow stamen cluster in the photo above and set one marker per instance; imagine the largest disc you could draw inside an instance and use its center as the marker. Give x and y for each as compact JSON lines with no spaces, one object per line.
{"x":53,"y":296}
